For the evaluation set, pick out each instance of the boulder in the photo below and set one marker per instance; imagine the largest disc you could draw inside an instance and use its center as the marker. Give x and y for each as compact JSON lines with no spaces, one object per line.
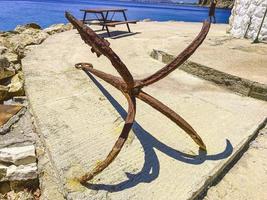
{"x":58,"y":28}
{"x":21,"y":28}
{"x":16,"y":87}
{"x":12,"y":57}
{"x":5,"y":188}
{"x":17,"y":42}
{"x":22,"y":172}
{"x":5,"y":71}
{"x":4,"y":63}
{"x":18,"y":155}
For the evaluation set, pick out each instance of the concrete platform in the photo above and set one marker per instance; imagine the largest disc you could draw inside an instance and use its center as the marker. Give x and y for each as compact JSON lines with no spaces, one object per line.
{"x":220,"y":51}
{"x":79,"y":118}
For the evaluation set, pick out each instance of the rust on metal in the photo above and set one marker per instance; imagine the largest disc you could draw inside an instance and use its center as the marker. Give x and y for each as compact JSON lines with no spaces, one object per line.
{"x":8,"y":111}
{"x":132,"y":89}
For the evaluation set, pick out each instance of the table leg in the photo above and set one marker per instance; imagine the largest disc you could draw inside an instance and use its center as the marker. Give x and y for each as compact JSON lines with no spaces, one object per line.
{"x":104,"y":20}
{"x":125,"y":18}
{"x":84,"y":17}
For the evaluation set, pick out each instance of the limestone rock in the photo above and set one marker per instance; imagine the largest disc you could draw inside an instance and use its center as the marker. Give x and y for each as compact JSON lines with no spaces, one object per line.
{"x":16,"y":86}
{"x":5,"y":70}
{"x":18,"y":155}
{"x":21,"y":195}
{"x":12,"y":57}
{"x":16,"y":67}
{"x":11,"y":120}
{"x":2,"y":40}
{"x":5,"y":188}
{"x":17,"y":42}
{"x":22,"y":172}
{"x":3,"y":170}
{"x":4,"y":63}
{"x":3,"y":49}
{"x":3,"y":92}
{"x":58,"y":28}
{"x":220,"y":3}
{"x":21,"y":28}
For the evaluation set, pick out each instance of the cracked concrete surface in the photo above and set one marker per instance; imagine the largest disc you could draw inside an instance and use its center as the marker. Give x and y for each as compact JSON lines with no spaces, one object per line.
{"x":79,"y":118}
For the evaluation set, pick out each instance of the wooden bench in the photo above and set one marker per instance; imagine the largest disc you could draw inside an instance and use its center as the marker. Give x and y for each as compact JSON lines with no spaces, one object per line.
{"x":114,"y":23}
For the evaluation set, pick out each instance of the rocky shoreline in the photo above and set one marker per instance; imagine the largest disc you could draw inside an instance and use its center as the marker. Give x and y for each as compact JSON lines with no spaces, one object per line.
{"x":18,"y":139}
{"x":220,"y":3}
{"x":13,"y":47}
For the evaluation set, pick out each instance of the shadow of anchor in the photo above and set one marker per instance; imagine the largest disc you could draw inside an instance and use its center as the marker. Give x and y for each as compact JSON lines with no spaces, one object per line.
{"x":151,"y":167}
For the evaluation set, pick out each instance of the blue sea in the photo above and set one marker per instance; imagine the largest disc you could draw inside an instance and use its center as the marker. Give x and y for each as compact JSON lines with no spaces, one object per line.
{"x":47,"y":12}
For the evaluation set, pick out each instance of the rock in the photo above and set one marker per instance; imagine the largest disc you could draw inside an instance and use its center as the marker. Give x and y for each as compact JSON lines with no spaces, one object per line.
{"x":16,"y":87}
{"x":2,"y":41}
{"x":4,"y":188}
{"x":12,"y":57}
{"x":4,"y":63}
{"x":2,"y":50}
{"x":24,"y":185}
{"x":20,"y":99}
{"x":21,"y":195}
{"x":16,"y":67}
{"x":22,"y":172}
{"x":5,"y":70}
{"x":21,"y":28}
{"x":3,"y":170}
{"x":3,"y":93}
{"x":58,"y":28}
{"x":12,"y":119}
{"x":18,"y":155}
{"x":147,"y":20}
{"x":220,"y":3}
{"x":17,"y":42}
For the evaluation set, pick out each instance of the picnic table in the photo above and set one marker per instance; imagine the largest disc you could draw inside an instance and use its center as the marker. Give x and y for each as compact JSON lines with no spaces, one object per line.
{"x":104,"y":19}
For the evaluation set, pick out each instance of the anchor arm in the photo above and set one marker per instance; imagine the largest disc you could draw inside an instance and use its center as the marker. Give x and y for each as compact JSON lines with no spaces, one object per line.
{"x":113,"y":80}
{"x":119,"y":143}
{"x":180,"y":59}
{"x":101,"y":46}
{"x":177,"y":119}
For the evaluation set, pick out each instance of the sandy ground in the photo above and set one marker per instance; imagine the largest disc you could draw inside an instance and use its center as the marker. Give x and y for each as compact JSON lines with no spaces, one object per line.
{"x":80,"y":117}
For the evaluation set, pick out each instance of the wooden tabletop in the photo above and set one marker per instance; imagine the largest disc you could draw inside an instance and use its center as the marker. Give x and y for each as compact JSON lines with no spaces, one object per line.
{"x":99,"y":10}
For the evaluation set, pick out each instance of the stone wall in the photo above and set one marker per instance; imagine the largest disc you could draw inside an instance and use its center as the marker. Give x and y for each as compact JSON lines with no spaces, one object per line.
{"x":247,"y":16}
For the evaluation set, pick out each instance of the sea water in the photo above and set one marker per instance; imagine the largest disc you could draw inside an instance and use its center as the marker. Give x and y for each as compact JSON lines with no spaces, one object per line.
{"x":48,"y":12}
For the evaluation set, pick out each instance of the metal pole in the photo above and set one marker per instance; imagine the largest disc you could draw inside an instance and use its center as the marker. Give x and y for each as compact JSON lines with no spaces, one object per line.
{"x":249,"y":23}
{"x":257,"y":38}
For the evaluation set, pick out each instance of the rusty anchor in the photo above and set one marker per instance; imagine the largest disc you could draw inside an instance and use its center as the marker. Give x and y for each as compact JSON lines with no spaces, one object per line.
{"x":131,"y":88}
